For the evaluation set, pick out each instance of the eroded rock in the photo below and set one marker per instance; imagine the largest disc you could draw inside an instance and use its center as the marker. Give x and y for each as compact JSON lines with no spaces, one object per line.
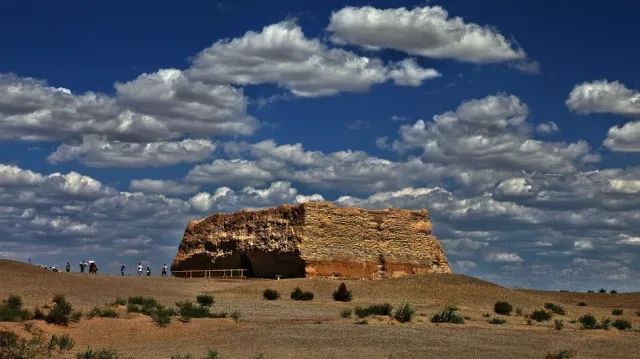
{"x":314,"y":239}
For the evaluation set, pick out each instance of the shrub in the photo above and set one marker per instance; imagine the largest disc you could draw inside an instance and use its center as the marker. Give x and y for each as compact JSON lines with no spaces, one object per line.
{"x":617,"y":311}
{"x":162,"y":316}
{"x":588,"y":321}
{"x":558,"y":324}
{"x":404,"y":313}
{"x":38,"y":314}
{"x":582,"y":304}
{"x":60,"y":312}
{"x":235,"y":315}
{"x":496,"y":320}
{"x":133,"y":308}
{"x":448,"y":315}
{"x":119,"y":301}
{"x":602,"y":290}
{"x":298,"y":294}
{"x":518,"y":311}
{"x":271,"y":294}
{"x":342,"y":294}
{"x":205,"y":300}
{"x":345,"y":313}
{"x":62,"y":342}
{"x":621,"y":324}
{"x":75,"y":316}
{"x":374,"y":309}
{"x":98,"y":354}
{"x":604,"y":324}
{"x":503,"y":308}
{"x":102,"y":313}
{"x":562,"y":354}
{"x":362,"y":322}
{"x":188,"y":310}
{"x":13,"y":347}
{"x":555,"y":308}
{"x":11,"y":310}
{"x":143,"y":301}
{"x":540,"y":315}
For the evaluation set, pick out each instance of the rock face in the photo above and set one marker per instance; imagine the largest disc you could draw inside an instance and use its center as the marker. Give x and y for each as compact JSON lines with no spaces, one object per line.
{"x":314,"y":239}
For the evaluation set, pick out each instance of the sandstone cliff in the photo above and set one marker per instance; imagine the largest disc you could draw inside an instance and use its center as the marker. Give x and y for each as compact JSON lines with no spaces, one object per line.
{"x":314,"y":239}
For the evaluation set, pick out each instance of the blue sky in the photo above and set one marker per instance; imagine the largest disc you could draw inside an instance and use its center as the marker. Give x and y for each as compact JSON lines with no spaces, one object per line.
{"x":516,"y":123}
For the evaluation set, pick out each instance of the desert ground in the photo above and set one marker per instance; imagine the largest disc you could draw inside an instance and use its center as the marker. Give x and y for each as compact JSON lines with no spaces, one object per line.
{"x":286,"y":328}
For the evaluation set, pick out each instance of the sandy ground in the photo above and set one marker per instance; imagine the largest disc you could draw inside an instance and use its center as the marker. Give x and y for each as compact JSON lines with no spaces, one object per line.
{"x":290,"y":329}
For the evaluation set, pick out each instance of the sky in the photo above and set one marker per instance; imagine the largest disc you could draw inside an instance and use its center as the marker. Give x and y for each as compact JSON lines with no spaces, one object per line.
{"x":517,"y":124}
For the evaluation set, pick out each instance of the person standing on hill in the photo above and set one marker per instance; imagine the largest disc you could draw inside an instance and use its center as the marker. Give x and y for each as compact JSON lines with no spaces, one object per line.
{"x":83,"y":265}
{"x":122,"y":270}
{"x":68,"y":267}
{"x":139,"y":269}
{"x":148,"y":271}
{"x":164,"y":270}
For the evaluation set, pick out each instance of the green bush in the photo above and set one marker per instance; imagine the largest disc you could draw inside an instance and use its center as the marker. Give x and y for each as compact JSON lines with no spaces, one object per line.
{"x":102,"y":313}
{"x":558,"y":324}
{"x":62,"y":342}
{"x":588,"y":321}
{"x":60,"y":312}
{"x":75,"y":316}
{"x":119,"y":301}
{"x":503,"y":308}
{"x":374,"y":309}
{"x":133,"y":308}
{"x":621,"y":324}
{"x":518,"y":311}
{"x":342,"y":294}
{"x":404,"y":313}
{"x":540,"y":315}
{"x":448,"y":315}
{"x":271,"y":294}
{"x":345,"y":313}
{"x":496,"y":320}
{"x":298,"y":294}
{"x":143,"y":301}
{"x":13,"y":347}
{"x":555,"y":308}
{"x":562,"y":354}
{"x":162,"y":316}
{"x":235,"y":315}
{"x":188,"y":310}
{"x":205,"y":300}
{"x":38,"y":314}
{"x":98,"y":354}
{"x":617,"y":311}
{"x":11,"y":310}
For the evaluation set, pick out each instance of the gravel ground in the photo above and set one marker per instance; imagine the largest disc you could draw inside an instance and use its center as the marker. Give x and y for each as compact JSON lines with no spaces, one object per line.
{"x":290,"y":329}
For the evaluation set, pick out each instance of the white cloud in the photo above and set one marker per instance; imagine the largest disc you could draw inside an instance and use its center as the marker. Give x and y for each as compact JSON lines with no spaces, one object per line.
{"x":162,"y":186}
{"x":236,"y":172}
{"x":548,"y":127}
{"x":630,"y":240}
{"x":604,"y":96}
{"x":624,"y":138}
{"x":426,"y":31}
{"x":515,"y":187}
{"x":409,"y":73}
{"x":95,"y":151}
{"x":504,"y":257}
{"x":281,"y":54}
{"x":491,"y":132}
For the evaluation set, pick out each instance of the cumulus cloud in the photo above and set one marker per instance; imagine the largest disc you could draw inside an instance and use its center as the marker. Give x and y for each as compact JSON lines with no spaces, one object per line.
{"x":162,"y":186}
{"x":548,"y":127}
{"x":426,"y":31}
{"x":625,"y":138}
{"x":30,"y":109}
{"x":504,"y":257}
{"x":281,"y":54}
{"x":95,"y":151}
{"x":604,"y":96}
{"x":491,"y":132}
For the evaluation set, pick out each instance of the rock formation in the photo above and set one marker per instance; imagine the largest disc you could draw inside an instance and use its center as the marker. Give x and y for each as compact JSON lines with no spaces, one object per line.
{"x":314,"y":239}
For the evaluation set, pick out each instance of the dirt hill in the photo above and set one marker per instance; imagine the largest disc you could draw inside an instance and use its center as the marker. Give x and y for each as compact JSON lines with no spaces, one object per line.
{"x":289,"y":329}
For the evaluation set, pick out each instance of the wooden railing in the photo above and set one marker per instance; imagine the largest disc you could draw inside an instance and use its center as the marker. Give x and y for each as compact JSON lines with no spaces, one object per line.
{"x":211,"y":273}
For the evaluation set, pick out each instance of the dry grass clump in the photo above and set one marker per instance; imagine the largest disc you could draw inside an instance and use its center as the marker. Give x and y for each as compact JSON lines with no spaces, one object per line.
{"x":555,"y":308}
{"x":11,"y":310}
{"x":448,"y":315}
{"x":374,"y":309}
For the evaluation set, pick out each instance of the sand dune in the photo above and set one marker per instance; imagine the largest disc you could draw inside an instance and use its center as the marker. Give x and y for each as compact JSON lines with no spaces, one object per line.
{"x":288,"y":329}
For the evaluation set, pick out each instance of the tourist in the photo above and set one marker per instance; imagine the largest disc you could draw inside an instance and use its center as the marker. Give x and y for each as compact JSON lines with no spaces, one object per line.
{"x":148,"y":271}
{"x":68,"y":267}
{"x":93,"y":268}
{"x":83,"y":265}
{"x":122,"y":270}
{"x":139,"y":269}
{"x":164,"y":270}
